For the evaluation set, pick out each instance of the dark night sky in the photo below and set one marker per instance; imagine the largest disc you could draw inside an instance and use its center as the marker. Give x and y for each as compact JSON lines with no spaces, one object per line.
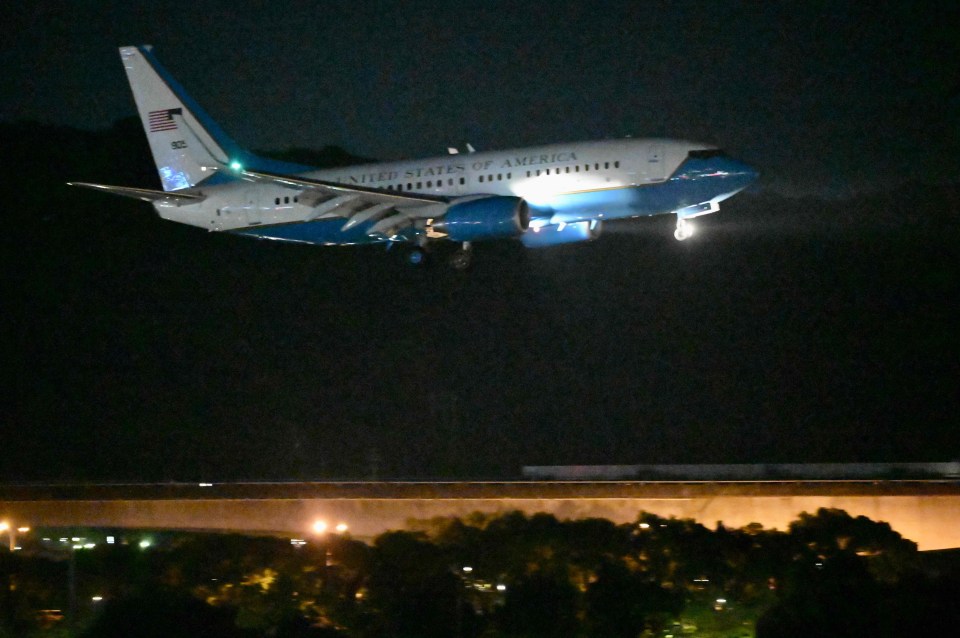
{"x":790,"y":329}
{"x":823,"y":96}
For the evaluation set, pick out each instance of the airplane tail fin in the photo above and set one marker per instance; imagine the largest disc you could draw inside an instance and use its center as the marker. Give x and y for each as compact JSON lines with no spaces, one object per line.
{"x":187,"y":145}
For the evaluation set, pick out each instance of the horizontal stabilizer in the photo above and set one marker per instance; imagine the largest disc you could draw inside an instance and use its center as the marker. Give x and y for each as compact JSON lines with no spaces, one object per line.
{"x":144,"y":194}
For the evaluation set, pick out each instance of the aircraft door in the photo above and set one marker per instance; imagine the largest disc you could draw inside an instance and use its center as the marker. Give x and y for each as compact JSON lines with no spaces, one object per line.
{"x":655,"y":161}
{"x":251,"y":206}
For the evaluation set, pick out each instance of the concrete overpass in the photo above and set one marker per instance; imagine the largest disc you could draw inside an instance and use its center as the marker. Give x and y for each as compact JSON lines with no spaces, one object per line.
{"x":925,"y":511}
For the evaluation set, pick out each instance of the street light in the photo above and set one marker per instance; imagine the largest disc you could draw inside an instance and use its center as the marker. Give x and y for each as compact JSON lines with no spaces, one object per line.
{"x":12,"y":531}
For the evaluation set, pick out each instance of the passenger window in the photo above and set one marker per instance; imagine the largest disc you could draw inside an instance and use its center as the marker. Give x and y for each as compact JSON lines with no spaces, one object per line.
{"x":409,"y":186}
{"x":463,"y":180}
{"x":286,"y":200}
{"x":567,"y":170}
{"x":499,"y":177}
{"x":586,"y":167}
{"x":277,"y":201}
{"x":430,"y":183}
{"x":616,"y":164}
{"x":577,"y":168}
{"x":596,"y":166}
{"x":538,"y":172}
{"x":481,"y":178}
{"x":419,"y":185}
{"x":509,"y":175}
{"x":606,"y":164}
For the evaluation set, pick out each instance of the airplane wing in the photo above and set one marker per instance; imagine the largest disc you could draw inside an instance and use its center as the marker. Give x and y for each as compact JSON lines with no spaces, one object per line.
{"x":335,"y":187}
{"x":391,"y":211}
{"x":388,"y":211}
{"x":144,"y":194}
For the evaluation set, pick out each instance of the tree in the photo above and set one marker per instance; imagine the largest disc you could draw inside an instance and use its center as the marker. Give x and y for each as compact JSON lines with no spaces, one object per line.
{"x":839,"y":598}
{"x":674,"y":551}
{"x":621,"y":603}
{"x":412,"y":588}
{"x":540,"y":605}
{"x":161,"y":614}
{"x":831,"y":532}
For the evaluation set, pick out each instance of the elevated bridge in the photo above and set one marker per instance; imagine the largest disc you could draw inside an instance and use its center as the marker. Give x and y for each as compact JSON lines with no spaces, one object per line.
{"x":925,"y":511}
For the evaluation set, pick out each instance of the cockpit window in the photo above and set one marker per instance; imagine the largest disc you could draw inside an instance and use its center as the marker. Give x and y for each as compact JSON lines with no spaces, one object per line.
{"x":706,"y":153}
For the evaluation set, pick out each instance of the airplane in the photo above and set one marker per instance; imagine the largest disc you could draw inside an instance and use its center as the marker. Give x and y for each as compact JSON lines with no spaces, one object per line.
{"x":543,"y":195}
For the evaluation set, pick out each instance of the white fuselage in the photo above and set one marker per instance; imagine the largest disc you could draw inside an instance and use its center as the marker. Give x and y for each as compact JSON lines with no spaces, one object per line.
{"x":538,"y":174}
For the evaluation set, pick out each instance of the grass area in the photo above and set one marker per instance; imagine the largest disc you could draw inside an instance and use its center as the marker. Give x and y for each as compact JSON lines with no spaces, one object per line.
{"x":708,"y":619}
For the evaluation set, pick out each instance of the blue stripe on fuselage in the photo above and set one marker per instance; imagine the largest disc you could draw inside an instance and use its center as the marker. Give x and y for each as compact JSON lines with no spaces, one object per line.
{"x":324,"y":232}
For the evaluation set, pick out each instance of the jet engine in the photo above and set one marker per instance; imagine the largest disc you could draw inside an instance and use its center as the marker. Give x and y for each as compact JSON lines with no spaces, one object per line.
{"x":484,"y":218}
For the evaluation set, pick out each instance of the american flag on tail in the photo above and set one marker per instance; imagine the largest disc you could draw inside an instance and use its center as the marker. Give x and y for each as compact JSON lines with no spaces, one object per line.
{"x":162,"y":120}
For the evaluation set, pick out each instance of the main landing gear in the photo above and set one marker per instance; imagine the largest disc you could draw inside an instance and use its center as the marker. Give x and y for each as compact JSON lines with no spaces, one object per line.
{"x":462,"y":258}
{"x":684,"y":229}
{"x":415,"y":256}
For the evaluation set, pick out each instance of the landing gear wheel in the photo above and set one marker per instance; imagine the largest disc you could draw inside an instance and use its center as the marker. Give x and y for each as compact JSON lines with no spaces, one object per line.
{"x":684,"y":229}
{"x":462,"y":259}
{"x":415,"y":256}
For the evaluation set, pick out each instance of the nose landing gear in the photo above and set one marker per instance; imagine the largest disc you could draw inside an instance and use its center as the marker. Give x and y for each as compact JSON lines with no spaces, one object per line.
{"x":684,"y":229}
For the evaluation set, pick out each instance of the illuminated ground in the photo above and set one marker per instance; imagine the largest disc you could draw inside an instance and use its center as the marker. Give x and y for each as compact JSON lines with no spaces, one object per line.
{"x":927,"y":512}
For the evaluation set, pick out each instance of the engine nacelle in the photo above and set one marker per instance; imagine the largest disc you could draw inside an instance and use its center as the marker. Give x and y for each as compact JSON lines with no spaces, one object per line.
{"x":493,"y":217}
{"x":556,"y":234}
